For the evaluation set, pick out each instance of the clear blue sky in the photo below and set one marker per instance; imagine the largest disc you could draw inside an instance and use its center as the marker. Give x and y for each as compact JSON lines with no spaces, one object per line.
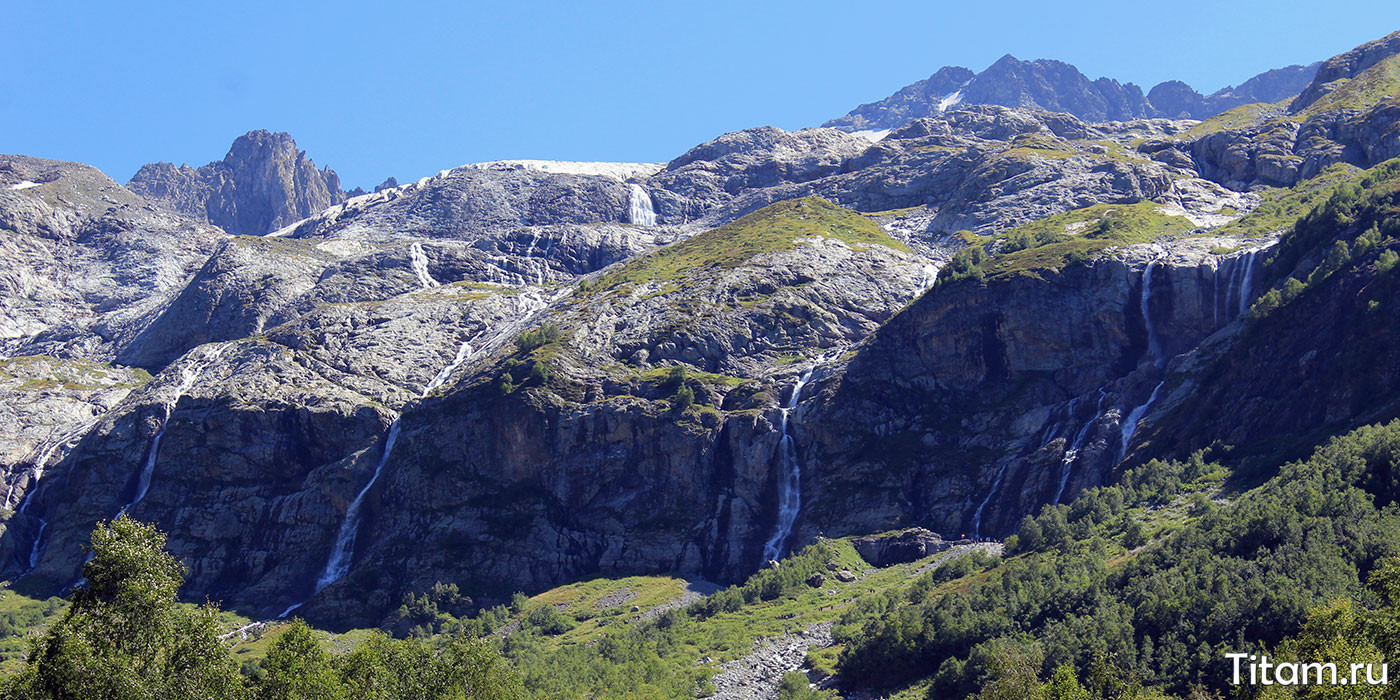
{"x":410,"y":88}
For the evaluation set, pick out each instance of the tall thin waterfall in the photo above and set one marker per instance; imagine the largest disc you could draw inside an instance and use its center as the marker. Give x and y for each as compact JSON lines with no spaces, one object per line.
{"x":419,"y":260}
{"x":189,"y":374}
{"x":37,"y":473}
{"x":639,"y":206}
{"x":790,"y":482}
{"x":342,"y":553}
{"x":1154,"y":345}
{"x":1245,"y":287}
{"x":991,"y":493}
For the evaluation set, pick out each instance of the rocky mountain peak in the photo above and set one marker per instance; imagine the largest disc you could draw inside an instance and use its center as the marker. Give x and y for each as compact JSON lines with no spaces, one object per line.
{"x":1346,"y":66}
{"x":1057,"y":86}
{"x":264,"y":183}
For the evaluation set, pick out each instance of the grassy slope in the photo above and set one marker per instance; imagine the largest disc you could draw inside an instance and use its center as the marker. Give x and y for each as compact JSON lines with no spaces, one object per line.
{"x":773,"y":228}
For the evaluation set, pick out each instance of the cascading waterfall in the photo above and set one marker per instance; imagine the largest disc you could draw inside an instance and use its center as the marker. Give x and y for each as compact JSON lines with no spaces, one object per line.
{"x":790,"y":483}
{"x":1154,"y":346}
{"x":343,"y":551}
{"x":1072,"y":454}
{"x":37,"y":473}
{"x":189,"y":374}
{"x":419,"y":260}
{"x":991,"y":493}
{"x":536,"y":265}
{"x":639,"y":207}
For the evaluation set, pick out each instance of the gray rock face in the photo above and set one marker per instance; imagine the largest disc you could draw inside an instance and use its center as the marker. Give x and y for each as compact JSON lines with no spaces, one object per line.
{"x":925,"y":98}
{"x":89,"y":263}
{"x":46,"y":406}
{"x":914,"y":427}
{"x":263,"y":184}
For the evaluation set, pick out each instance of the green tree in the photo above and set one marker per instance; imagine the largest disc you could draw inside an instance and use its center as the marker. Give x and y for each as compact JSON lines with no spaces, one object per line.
{"x":1065,"y":686}
{"x":298,"y":668}
{"x":125,"y":636}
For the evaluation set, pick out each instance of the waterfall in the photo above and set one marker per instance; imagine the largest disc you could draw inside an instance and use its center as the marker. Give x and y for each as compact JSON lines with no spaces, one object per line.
{"x":37,"y":473}
{"x":189,"y":374}
{"x":1130,"y":424}
{"x":1248,"y":280}
{"x":1154,"y":342}
{"x":536,"y":265}
{"x":790,"y":483}
{"x":640,"y":210}
{"x":1215,"y":298}
{"x":344,"y":550}
{"x":1154,"y":346}
{"x":419,"y":260}
{"x":344,"y":547}
{"x":930,"y":277}
{"x":1072,"y":453}
{"x":991,"y":493}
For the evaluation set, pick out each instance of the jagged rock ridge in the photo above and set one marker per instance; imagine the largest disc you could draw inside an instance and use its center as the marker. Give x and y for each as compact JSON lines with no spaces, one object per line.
{"x":263,"y":184}
{"x":1059,"y":87}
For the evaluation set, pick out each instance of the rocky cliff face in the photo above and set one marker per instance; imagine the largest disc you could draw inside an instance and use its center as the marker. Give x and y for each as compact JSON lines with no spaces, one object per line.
{"x":511,"y":375}
{"x":263,"y":184}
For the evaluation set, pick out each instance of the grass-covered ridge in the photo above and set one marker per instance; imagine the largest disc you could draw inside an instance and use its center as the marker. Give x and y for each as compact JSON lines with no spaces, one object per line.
{"x":1064,"y":239}
{"x":774,"y":228}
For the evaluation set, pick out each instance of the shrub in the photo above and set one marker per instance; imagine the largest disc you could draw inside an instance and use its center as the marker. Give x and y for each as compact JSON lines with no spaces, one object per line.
{"x":538,"y":338}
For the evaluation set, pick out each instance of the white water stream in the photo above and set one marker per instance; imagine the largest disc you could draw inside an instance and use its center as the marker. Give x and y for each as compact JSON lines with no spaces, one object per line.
{"x":189,"y":374}
{"x":790,"y":481}
{"x":419,"y":260}
{"x":640,"y":209}
{"x":1154,"y":346}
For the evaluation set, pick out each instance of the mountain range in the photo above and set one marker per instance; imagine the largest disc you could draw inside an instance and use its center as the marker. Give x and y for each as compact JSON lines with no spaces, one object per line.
{"x":520,"y":375}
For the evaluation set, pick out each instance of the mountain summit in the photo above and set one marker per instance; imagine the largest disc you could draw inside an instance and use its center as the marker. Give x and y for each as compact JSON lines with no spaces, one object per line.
{"x":263,"y":184}
{"x":1056,"y":86}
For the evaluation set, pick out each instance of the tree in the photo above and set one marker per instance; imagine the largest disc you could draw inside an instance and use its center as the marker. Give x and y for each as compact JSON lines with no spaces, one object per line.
{"x":298,"y":668}
{"x":125,"y":636}
{"x":1065,"y":686}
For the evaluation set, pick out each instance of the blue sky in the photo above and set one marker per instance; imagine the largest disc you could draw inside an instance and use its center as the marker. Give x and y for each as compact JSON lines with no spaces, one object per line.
{"x":410,"y":88}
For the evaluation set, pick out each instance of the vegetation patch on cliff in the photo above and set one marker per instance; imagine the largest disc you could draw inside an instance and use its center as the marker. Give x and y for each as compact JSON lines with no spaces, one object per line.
{"x":773,"y":228}
{"x":1057,"y":241}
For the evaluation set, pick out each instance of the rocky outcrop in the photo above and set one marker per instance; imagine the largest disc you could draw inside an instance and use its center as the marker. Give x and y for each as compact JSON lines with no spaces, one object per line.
{"x":901,"y":547}
{"x":469,"y":201}
{"x":263,"y":184}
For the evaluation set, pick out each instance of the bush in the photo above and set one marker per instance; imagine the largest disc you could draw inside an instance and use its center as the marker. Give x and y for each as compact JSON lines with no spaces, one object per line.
{"x":540,"y":337}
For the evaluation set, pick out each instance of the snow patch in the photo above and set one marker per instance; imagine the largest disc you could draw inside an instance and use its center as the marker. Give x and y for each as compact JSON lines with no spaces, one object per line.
{"x":950,"y":101}
{"x":871,"y":134}
{"x":620,"y":171}
{"x":24,"y":185}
